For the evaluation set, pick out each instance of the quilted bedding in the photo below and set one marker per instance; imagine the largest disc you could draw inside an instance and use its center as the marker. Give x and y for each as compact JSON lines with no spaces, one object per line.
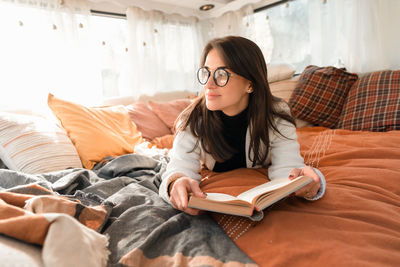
{"x":356,"y":223}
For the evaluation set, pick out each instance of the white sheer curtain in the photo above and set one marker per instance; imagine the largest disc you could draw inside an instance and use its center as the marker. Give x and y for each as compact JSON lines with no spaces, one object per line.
{"x":45,"y":47}
{"x":361,"y":35}
{"x":164,"y":52}
{"x":243,"y":22}
{"x":239,"y":22}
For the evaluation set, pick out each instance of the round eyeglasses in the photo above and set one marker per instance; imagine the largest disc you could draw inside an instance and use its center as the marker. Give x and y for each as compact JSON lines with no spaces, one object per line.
{"x":220,"y":76}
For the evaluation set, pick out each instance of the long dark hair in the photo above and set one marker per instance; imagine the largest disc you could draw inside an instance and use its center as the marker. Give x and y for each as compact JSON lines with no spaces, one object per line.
{"x":245,"y":58}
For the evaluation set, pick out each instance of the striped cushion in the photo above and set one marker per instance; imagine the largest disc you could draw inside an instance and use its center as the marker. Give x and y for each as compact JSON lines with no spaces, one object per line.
{"x":373,"y":103}
{"x":320,"y":94}
{"x":32,"y":144}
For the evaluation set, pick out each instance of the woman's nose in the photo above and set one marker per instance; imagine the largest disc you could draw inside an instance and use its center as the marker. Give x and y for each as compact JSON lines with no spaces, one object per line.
{"x":210,"y":83}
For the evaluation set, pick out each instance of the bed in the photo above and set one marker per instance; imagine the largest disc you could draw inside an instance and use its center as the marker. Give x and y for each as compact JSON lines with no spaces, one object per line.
{"x":106,"y":211}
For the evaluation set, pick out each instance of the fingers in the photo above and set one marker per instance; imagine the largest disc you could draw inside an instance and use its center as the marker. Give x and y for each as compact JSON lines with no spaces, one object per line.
{"x":311,"y":190}
{"x":294,"y":173}
{"x":180,"y":191}
{"x":181,"y":196}
{"x":314,"y":190}
{"x":195,"y":189}
{"x":174,"y":195}
{"x":192,"y":211}
{"x":309,"y":171}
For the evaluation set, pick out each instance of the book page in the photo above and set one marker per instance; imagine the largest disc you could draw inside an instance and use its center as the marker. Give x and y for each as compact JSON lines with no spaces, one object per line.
{"x":220,"y":197}
{"x":266,"y":187}
{"x":264,"y":200}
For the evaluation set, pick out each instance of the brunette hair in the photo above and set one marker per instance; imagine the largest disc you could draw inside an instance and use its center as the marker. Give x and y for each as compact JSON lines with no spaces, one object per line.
{"x":245,"y":58}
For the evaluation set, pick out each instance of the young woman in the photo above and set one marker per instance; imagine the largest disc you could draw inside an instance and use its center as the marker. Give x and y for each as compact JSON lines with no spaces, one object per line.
{"x":235,"y":123}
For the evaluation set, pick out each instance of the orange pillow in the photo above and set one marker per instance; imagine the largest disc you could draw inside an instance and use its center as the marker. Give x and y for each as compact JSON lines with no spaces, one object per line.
{"x":165,"y":141}
{"x":168,"y":112}
{"x":147,"y":122}
{"x":96,"y":132}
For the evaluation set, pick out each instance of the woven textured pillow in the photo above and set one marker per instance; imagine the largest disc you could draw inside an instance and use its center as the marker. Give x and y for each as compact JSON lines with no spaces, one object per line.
{"x":320,"y":94}
{"x":33,"y":144}
{"x":373,"y":103}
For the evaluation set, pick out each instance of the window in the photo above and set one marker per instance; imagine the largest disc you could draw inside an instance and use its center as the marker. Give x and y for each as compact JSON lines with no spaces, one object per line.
{"x":282,"y":33}
{"x":110,"y":40}
{"x":75,"y":56}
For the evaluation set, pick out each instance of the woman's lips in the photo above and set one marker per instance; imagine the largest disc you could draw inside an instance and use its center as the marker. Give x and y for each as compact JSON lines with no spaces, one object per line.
{"x":212,"y":96}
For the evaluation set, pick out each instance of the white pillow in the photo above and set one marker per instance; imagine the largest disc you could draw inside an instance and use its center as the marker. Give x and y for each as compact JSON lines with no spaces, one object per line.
{"x":284,"y":89}
{"x":279,"y":71}
{"x":33,"y":144}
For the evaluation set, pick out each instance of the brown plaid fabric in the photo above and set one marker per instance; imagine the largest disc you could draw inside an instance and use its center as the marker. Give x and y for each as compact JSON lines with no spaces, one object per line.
{"x":373,"y":103}
{"x":320,"y":94}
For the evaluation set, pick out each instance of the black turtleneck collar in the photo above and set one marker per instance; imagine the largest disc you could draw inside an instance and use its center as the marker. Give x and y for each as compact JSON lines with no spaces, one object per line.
{"x":237,"y":120}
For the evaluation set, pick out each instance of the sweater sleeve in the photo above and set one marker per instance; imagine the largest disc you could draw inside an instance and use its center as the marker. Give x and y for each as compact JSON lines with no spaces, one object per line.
{"x":284,"y":151}
{"x":285,"y":154}
{"x":184,"y":161}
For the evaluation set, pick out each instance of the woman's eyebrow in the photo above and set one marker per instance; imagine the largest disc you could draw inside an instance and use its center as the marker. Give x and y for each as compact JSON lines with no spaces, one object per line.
{"x":220,"y":67}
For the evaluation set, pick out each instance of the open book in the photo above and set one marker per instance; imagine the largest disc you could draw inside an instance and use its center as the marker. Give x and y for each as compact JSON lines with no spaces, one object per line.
{"x":254,"y":199}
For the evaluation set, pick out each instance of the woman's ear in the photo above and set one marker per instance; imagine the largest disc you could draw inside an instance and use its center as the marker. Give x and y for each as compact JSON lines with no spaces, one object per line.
{"x":250,"y":88}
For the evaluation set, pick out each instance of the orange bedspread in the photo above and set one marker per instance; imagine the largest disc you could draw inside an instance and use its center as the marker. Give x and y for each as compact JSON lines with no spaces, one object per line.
{"x":356,"y":223}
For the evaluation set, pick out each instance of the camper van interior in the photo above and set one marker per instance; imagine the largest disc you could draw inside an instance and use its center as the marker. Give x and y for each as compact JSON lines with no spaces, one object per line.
{"x":91,"y":90}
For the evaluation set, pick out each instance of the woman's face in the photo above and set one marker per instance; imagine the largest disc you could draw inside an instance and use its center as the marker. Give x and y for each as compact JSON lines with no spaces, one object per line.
{"x":231,"y":98}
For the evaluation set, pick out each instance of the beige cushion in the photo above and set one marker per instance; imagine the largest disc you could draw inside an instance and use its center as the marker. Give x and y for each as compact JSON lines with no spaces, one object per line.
{"x":279,"y":72}
{"x":283,"y":89}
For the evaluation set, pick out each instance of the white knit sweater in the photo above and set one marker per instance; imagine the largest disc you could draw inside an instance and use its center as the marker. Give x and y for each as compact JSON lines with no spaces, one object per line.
{"x":283,"y":156}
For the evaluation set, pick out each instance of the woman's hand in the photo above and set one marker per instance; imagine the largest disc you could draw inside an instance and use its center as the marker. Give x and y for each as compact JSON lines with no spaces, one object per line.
{"x":179,"y":194}
{"x":310,"y":190}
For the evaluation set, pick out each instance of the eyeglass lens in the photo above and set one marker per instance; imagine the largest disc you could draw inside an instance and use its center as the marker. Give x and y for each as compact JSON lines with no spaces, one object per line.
{"x":220,"y":76}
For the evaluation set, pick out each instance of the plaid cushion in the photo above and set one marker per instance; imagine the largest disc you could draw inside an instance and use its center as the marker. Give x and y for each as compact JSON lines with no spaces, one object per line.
{"x":373,"y":103}
{"x":320,"y":94}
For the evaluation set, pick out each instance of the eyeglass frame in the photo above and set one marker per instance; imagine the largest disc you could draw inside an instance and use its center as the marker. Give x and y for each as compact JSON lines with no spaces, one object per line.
{"x":213,"y":75}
